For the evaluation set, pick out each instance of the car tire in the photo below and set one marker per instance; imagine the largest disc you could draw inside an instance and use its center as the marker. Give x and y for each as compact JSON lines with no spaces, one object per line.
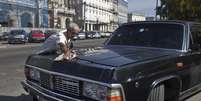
{"x":157,"y":93}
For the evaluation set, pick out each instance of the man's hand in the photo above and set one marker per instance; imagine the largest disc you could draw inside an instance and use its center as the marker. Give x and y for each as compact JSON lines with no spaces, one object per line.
{"x":67,"y":56}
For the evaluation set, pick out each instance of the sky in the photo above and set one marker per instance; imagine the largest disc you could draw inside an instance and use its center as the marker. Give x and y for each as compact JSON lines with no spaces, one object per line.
{"x":145,"y":7}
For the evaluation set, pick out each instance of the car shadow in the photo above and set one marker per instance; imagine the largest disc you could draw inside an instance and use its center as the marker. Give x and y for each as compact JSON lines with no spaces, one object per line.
{"x":22,"y":97}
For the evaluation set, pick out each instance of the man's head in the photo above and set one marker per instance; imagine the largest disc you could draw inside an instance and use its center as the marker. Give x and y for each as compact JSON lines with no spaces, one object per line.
{"x":72,"y":30}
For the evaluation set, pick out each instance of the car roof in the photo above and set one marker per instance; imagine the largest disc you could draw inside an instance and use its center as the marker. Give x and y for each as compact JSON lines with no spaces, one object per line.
{"x":164,"y":21}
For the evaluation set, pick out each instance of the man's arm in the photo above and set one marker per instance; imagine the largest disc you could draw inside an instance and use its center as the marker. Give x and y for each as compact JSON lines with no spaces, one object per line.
{"x":64,"y":49}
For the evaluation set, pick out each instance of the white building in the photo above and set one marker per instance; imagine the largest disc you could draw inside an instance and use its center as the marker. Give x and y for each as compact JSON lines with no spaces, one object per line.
{"x":122,"y":11}
{"x":100,"y":15}
{"x":14,"y":12}
{"x":132,"y":17}
{"x":23,"y":13}
{"x":61,"y":12}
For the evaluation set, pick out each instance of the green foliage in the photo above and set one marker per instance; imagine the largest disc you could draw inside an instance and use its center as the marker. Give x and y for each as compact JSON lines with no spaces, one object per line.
{"x":180,"y":10}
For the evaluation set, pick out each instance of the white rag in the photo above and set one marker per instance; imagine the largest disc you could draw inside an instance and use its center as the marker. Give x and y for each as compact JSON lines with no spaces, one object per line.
{"x":61,"y":57}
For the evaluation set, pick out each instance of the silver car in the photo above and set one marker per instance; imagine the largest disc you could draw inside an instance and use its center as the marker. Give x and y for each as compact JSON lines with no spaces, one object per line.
{"x":81,"y":35}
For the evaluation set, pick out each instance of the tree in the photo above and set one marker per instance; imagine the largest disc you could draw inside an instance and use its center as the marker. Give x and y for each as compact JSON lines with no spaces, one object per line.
{"x":180,"y":10}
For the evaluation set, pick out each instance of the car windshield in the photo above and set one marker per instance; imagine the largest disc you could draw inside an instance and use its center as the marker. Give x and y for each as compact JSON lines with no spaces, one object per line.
{"x":16,"y":32}
{"x":157,"y":35}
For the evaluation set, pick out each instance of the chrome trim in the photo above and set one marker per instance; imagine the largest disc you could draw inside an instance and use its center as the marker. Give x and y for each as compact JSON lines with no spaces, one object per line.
{"x":190,"y":92}
{"x":156,"y":82}
{"x":28,"y":85}
{"x":157,"y":94}
{"x":117,"y":86}
{"x":186,"y":40}
{"x":81,"y":79}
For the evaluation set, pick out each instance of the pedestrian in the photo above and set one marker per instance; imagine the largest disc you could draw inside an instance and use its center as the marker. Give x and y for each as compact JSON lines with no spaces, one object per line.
{"x":61,"y":43}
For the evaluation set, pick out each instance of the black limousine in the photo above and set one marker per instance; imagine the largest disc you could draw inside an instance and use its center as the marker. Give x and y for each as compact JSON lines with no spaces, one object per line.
{"x":141,"y":61}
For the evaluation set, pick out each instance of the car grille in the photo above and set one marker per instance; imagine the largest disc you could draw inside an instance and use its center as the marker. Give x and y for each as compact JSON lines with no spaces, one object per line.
{"x":66,"y":85}
{"x":60,"y":84}
{"x":45,"y":80}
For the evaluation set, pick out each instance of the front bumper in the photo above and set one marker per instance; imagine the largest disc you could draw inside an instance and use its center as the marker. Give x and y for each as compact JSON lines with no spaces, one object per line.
{"x":34,"y":89}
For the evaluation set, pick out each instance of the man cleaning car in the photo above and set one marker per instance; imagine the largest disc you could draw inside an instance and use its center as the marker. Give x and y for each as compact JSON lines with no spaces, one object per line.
{"x":61,"y":43}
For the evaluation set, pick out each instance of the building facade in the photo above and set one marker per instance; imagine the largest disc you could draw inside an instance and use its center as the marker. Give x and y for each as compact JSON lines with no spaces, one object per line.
{"x":20,"y":13}
{"x":132,"y":17}
{"x":42,"y":13}
{"x":122,"y":12}
{"x":61,"y":12}
{"x":150,"y":19}
{"x":97,"y":15}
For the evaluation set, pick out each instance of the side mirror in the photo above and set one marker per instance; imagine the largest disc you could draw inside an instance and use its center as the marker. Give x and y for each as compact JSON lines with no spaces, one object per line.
{"x":195,"y":47}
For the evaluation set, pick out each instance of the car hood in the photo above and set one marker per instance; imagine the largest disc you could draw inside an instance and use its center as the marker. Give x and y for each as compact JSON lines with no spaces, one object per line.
{"x":117,"y":56}
{"x":98,"y":63}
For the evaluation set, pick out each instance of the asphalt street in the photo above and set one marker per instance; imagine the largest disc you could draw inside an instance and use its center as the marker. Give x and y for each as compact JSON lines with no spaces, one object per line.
{"x":12,"y":59}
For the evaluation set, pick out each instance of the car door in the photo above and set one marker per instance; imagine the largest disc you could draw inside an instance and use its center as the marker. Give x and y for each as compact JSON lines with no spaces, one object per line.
{"x":195,"y":46}
{"x":191,"y":73}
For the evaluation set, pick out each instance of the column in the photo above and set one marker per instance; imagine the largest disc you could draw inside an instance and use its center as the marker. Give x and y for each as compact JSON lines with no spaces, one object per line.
{"x":92,"y":27}
{"x":62,"y":22}
{"x":88,"y":26}
{"x":103,"y":28}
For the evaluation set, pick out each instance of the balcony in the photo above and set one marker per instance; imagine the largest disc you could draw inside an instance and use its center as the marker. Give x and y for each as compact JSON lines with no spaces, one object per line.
{"x":66,"y":11}
{"x":27,"y":3}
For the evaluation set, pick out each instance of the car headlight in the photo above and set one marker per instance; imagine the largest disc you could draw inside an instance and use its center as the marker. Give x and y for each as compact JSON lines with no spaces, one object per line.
{"x":101,"y":93}
{"x":34,"y":74}
{"x":95,"y":91}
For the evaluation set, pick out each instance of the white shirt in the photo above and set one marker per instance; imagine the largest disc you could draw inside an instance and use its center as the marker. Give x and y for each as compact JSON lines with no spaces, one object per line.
{"x":51,"y":44}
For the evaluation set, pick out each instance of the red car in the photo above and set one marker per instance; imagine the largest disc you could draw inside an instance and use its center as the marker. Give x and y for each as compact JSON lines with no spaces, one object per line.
{"x":36,"y":36}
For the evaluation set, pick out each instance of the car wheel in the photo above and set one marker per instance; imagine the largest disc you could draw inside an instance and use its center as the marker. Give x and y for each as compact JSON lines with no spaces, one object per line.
{"x":157,"y":93}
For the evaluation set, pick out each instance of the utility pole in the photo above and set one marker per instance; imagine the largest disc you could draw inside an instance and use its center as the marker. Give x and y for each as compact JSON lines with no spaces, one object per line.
{"x":37,"y":13}
{"x":84,"y":13}
{"x":156,"y":9}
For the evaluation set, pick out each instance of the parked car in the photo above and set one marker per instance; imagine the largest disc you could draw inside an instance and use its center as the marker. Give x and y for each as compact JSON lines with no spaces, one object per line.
{"x":108,"y":34}
{"x":5,"y":36}
{"x":96,"y":35}
{"x":142,"y":61}
{"x":17,"y":36}
{"x":36,"y":36}
{"x":1,"y":36}
{"x":81,"y":35}
{"x":89,"y":35}
{"x":103,"y":34}
{"x":48,"y":33}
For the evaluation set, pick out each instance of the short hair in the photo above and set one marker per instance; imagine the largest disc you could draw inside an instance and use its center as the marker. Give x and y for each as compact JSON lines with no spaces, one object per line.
{"x":72,"y":26}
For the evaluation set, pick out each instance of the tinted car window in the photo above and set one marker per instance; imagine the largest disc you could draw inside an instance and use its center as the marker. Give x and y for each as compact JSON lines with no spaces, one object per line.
{"x":156,"y":35}
{"x":196,"y":34}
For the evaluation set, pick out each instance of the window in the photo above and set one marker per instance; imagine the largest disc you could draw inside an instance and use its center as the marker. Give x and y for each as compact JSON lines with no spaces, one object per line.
{"x":196,"y":34}
{"x":158,"y":35}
